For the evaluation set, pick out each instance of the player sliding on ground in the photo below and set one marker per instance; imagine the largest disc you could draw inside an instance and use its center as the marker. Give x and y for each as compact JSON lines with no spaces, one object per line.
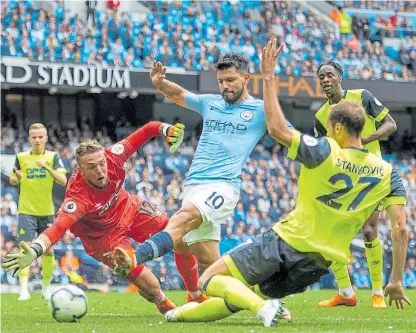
{"x":233,"y":123}
{"x":104,"y":216}
{"x":340,"y":185}
{"x":378,"y":125}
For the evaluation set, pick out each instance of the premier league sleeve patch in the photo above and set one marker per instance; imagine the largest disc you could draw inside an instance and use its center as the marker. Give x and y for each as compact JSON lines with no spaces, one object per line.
{"x":70,"y":207}
{"x":117,"y":149}
{"x":310,"y":141}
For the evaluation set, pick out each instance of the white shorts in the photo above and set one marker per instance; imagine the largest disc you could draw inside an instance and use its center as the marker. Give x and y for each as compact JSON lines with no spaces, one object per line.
{"x":216,"y":203}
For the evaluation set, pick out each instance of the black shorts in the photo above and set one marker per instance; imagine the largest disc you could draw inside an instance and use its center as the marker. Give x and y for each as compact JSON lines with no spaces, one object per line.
{"x":30,"y":226}
{"x":278,"y":269}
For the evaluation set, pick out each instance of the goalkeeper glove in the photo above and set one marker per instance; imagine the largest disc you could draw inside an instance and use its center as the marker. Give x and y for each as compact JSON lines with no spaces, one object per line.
{"x":174,"y":135}
{"x":17,"y":261}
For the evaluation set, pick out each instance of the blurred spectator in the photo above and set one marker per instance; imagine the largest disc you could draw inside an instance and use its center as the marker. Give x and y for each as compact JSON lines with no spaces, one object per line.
{"x":90,"y":12}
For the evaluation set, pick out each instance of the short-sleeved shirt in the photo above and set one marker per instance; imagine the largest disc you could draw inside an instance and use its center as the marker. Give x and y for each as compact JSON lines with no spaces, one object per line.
{"x":230,"y":133}
{"x":36,"y":183}
{"x":375,"y":113}
{"x":338,"y":190}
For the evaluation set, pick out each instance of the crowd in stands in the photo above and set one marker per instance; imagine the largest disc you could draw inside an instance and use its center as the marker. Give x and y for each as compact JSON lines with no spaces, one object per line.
{"x":396,"y":5}
{"x":193,"y":35}
{"x":369,"y":29}
{"x":269,"y":189}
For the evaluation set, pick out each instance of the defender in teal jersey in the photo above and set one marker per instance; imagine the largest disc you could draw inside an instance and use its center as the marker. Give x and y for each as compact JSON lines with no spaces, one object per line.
{"x":233,"y":123}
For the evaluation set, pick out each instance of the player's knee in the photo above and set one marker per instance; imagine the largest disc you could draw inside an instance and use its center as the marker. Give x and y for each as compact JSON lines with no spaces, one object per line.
{"x":370,"y":232}
{"x":202,"y":281}
{"x":186,"y":219}
{"x":204,"y":261}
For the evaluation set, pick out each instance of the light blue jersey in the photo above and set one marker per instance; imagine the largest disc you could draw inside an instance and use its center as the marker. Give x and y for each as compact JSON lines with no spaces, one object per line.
{"x":229,"y":135}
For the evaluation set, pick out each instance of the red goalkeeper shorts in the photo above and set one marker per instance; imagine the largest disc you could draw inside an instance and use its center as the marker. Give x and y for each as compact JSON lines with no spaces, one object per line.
{"x":145,"y":224}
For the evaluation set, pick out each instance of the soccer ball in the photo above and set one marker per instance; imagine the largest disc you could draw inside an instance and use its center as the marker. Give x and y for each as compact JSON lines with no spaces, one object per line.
{"x":68,"y":304}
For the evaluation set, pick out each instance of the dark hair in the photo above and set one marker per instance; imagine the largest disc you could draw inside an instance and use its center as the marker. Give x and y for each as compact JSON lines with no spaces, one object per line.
{"x":229,"y":60}
{"x":349,"y":114}
{"x":334,"y":64}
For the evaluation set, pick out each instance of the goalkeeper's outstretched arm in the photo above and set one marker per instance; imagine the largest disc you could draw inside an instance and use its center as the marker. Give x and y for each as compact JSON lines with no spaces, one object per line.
{"x":17,"y":261}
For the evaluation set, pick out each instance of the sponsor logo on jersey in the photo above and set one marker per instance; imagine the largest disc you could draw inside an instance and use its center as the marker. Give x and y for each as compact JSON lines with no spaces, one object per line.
{"x":70,"y":207}
{"x":310,"y":141}
{"x":223,"y":126}
{"x":117,"y":149}
{"x":246,"y":115}
{"x":109,"y":203}
{"x":36,"y":173}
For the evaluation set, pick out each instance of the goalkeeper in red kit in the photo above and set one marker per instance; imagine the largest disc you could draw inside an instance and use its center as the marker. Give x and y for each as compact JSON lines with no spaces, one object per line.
{"x":105,"y":216}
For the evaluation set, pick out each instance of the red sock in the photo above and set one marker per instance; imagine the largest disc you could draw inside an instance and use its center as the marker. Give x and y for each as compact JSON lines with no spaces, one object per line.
{"x":188,"y":269}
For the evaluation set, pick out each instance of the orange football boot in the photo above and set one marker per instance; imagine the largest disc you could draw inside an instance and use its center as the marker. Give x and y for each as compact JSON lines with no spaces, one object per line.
{"x":199,"y":299}
{"x":165,"y":306}
{"x":377,"y":301}
{"x":338,"y":300}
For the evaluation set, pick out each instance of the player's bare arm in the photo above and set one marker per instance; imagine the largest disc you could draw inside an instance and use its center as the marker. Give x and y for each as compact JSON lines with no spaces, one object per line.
{"x":394,"y":290}
{"x":388,"y":127}
{"x":58,"y":177}
{"x":170,"y":90}
{"x":275,"y":118}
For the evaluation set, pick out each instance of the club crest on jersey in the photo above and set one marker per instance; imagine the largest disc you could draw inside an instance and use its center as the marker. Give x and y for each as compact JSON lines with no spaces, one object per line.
{"x":310,"y":141}
{"x":117,"y":149}
{"x":70,"y":207}
{"x":246,"y":115}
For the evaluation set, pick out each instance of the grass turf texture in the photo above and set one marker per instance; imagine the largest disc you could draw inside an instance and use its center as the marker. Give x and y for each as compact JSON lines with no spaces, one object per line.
{"x":116,"y":313}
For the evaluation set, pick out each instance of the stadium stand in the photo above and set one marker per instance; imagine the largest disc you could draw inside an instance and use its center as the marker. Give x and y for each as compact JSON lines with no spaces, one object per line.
{"x":268,"y":193}
{"x":193,"y":34}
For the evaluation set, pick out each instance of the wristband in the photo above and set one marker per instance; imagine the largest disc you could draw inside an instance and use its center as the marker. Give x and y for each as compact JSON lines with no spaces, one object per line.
{"x":38,"y":248}
{"x":165,"y":128}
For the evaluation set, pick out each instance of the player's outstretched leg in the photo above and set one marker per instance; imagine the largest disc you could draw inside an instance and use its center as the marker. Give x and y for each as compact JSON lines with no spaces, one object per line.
{"x":186,"y":219}
{"x":147,"y":284}
{"x":374,"y":254}
{"x":230,"y":295}
{"x":149,"y":288}
{"x":346,"y":295}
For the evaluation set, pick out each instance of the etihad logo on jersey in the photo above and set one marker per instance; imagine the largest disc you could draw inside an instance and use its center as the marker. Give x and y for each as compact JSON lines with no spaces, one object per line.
{"x":223,"y":126}
{"x":35,"y":173}
{"x":109,"y":203}
{"x":375,"y":170}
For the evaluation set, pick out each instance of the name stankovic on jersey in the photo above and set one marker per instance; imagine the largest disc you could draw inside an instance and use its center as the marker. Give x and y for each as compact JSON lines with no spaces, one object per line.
{"x":374,"y":170}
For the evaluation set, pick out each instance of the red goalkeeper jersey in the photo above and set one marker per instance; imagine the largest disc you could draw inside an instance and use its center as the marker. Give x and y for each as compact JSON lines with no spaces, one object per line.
{"x":96,"y":215}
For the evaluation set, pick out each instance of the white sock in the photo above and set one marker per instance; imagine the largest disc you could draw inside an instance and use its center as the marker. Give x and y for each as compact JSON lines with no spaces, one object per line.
{"x":24,"y":284}
{"x":346,"y":292}
{"x":378,"y":292}
{"x":195,"y":294}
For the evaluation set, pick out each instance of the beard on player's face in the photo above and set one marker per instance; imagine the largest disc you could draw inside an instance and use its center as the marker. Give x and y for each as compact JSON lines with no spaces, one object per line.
{"x":231,"y":96}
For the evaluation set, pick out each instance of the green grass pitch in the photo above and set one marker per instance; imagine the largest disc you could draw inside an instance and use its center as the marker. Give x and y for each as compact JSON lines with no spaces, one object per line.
{"x":116,"y":313}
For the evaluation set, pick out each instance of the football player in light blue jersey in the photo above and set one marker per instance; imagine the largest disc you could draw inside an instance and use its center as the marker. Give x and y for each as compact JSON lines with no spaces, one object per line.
{"x":234,"y":121}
